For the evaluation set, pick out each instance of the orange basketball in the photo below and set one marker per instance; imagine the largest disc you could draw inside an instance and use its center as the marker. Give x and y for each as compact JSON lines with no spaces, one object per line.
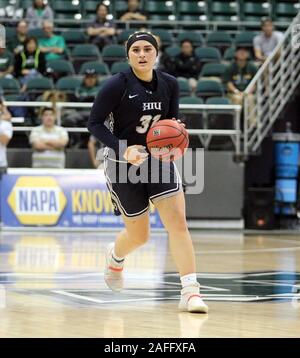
{"x":167,"y":140}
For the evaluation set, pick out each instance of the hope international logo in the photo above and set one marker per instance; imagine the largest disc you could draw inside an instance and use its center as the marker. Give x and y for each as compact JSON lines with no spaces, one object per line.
{"x":37,"y":200}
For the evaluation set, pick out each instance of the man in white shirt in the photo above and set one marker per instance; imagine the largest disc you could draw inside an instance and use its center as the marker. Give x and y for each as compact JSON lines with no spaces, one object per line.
{"x":265,"y":42}
{"x":48,"y":141}
{"x":6,"y":132}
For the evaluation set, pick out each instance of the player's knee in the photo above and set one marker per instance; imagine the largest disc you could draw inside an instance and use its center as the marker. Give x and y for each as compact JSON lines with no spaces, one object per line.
{"x":177,"y":226}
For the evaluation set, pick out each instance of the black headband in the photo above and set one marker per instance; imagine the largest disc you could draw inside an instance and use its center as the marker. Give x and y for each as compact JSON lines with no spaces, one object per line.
{"x":145,"y":36}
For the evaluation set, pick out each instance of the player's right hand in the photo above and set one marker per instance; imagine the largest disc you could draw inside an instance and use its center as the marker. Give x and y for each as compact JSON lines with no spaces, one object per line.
{"x":136,"y":154}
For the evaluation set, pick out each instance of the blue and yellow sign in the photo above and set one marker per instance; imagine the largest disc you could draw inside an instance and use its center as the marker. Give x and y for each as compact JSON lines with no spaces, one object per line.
{"x":37,"y":200}
{"x":59,"y":200}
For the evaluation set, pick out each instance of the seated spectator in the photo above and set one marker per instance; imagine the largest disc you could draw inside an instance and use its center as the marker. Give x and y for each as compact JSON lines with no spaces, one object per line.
{"x":133,"y":12}
{"x":187,"y":64}
{"x":6,"y":63}
{"x":6,"y":132}
{"x":89,"y":86}
{"x":16,"y":45}
{"x":95,"y":149}
{"x":238,"y":75}
{"x":265,"y":42}
{"x":30,"y":63}
{"x":101,"y":31}
{"x":37,"y":13}
{"x":48,"y":142}
{"x":52,"y":45}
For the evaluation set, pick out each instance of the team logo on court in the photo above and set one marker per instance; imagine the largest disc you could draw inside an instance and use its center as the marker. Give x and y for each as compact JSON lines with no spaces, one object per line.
{"x":235,"y":287}
{"x":37,"y":200}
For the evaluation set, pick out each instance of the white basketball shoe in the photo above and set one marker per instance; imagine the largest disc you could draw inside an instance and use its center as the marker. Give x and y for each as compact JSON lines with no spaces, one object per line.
{"x":191,"y":300}
{"x":113,"y":272}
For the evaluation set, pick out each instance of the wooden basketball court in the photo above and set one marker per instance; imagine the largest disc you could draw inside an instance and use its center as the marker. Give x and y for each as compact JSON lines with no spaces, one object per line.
{"x":51,"y":285}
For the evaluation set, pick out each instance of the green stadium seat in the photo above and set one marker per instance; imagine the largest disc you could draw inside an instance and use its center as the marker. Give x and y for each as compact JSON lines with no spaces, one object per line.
{"x":37,"y":33}
{"x":113,"y":53}
{"x":218,"y":100}
{"x":99,"y":67}
{"x":208,"y":54}
{"x":245,"y":38}
{"x":172,"y":51}
{"x":123,"y":36}
{"x":253,"y":11}
{"x":12,"y":97}
{"x":195,"y":37}
{"x":89,"y":7}
{"x":163,"y":9}
{"x":61,"y":67}
{"x":25,"y":4}
{"x":120,"y":7}
{"x":86,"y":50}
{"x":83,"y":53}
{"x":37,"y":86}
{"x":227,"y":11}
{"x":74,"y":37}
{"x":194,"y":8}
{"x":284,"y":11}
{"x":10,"y":33}
{"x":219,"y":39}
{"x":164,"y":35}
{"x":213,"y":70}
{"x":119,"y":67}
{"x":68,"y":84}
{"x":68,"y":20}
{"x":66,"y":6}
{"x":9,"y":85}
{"x":208,"y":88}
{"x":191,"y":100}
{"x":184,"y":87}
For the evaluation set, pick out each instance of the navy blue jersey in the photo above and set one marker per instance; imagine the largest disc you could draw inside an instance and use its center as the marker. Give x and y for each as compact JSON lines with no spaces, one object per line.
{"x":132,"y":106}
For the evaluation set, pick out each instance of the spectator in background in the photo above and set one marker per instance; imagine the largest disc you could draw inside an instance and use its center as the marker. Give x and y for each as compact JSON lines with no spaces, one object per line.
{"x":52,"y":45}
{"x":187,"y":64}
{"x":237,"y":77}
{"x":87,"y":92}
{"x":6,"y":63}
{"x":101,"y":31}
{"x":17,"y":43}
{"x":37,"y":13}
{"x":265,"y":43}
{"x":133,"y":12}
{"x":89,"y":87}
{"x":48,"y":142}
{"x":30,"y":63}
{"x":6,"y":133}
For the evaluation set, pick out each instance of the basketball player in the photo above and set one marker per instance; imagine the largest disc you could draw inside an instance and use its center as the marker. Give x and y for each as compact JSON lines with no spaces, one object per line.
{"x":134,"y":100}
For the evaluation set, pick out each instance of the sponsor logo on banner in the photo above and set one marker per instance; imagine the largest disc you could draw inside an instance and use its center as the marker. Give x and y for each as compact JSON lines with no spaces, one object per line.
{"x":37,"y":200}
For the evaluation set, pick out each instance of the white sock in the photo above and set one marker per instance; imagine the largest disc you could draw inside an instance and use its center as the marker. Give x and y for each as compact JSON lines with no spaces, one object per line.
{"x":119,"y":261}
{"x":188,"y":280}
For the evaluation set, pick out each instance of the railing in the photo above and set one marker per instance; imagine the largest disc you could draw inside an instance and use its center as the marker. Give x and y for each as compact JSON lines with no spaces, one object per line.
{"x":273,"y":86}
{"x":204,"y":134}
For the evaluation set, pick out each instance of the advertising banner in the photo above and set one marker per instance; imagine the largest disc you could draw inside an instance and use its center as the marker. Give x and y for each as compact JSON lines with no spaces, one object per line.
{"x":60,"y":200}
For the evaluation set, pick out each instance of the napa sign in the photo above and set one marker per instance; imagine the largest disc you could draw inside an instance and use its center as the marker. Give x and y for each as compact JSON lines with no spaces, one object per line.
{"x":37,"y":200}
{"x":59,"y":201}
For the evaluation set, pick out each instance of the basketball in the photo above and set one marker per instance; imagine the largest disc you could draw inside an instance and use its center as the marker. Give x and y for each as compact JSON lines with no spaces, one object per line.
{"x":167,"y":140}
